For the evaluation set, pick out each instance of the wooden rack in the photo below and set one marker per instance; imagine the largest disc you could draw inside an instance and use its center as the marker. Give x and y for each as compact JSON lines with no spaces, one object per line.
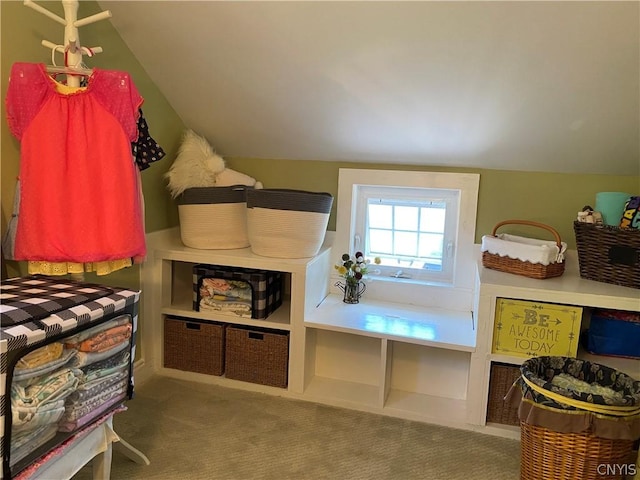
{"x":71,"y":48}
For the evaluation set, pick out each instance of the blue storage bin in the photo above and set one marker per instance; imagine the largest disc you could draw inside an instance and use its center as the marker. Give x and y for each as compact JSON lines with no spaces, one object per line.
{"x":614,"y":332}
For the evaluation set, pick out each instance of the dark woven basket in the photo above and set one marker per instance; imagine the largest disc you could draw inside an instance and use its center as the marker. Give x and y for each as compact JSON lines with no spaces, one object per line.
{"x":257,"y":355}
{"x":194,"y":346}
{"x":502,"y":378}
{"x":608,"y":254}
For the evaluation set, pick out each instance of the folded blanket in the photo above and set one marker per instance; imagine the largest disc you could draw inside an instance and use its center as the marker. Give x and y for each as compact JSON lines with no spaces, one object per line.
{"x":86,"y":391}
{"x":226,"y":305}
{"x":83,"y":359}
{"x":28,"y":374}
{"x":70,"y":426}
{"x":106,"y":367}
{"x":72,"y":341}
{"x":30,"y":418}
{"x":77,"y":409}
{"x":107,"y":339}
{"x":23,"y":445}
{"x":37,"y":467}
{"x":237,"y":289}
{"x":30,"y":437}
{"x":48,"y":388}
{"x":41,"y":356}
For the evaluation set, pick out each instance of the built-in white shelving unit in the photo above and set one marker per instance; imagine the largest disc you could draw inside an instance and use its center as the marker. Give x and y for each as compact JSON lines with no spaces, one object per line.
{"x":419,"y":363}
{"x":168,"y":285}
{"x":569,"y":289}
{"x":398,"y":359}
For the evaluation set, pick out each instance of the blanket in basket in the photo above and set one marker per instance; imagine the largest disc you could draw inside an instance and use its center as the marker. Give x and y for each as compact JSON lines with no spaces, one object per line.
{"x":526,"y":249}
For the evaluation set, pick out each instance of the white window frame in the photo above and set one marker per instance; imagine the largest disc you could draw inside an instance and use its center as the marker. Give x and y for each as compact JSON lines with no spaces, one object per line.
{"x":456,"y":294}
{"x":449,"y":196}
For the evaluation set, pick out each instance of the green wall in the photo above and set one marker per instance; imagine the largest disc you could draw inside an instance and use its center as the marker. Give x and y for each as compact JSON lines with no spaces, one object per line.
{"x":550,"y":198}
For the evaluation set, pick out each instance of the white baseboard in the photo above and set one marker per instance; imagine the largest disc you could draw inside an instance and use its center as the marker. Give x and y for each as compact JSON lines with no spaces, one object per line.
{"x":141,"y":371}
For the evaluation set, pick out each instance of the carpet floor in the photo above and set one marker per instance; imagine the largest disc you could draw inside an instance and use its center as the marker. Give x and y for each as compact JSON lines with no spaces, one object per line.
{"x":197,"y":431}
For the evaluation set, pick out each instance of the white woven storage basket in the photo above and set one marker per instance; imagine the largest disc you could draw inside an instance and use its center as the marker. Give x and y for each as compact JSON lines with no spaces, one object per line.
{"x":287,"y":223}
{"x":214,"y":217}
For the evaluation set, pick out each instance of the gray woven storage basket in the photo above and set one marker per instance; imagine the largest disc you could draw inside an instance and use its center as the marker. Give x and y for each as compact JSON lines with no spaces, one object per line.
{"x":287,"y":223}
{"x":214,"y":217}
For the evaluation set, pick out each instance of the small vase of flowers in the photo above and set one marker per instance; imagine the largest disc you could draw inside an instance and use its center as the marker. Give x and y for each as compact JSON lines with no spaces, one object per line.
{"x":353,"y":269}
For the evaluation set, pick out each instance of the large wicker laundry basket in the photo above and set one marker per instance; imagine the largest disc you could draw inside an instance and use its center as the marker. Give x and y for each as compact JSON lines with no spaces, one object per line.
{"x":578,"y":420}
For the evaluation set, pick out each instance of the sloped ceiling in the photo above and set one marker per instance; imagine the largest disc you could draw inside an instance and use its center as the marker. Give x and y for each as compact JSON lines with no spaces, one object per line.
{"x":533,"y":86}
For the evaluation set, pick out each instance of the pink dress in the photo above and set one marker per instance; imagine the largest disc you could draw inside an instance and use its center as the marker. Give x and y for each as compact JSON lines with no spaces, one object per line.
{"x":79,"y":196}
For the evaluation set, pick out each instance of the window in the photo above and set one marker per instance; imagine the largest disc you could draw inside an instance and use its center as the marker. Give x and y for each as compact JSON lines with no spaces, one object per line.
{"x":412,"y":230}
{"x":420,"y":224}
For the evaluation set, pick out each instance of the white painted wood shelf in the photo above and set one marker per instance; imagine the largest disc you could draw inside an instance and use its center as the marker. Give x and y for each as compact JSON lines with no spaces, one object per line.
{"x":182,"y":306}
{"x":169,"y":246}
{"x":419,"y":363}
{"x":169,"y":291}
{"x":569,"y":289}
{"x":399,"y":360}
{"x":435,"y":327}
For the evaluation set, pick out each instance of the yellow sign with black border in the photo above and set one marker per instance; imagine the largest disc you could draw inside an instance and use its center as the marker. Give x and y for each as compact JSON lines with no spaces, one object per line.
{"x":533,"y":329}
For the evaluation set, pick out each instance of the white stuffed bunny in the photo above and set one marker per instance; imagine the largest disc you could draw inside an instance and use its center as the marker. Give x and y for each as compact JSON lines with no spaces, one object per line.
{"x":229,"y":177}
{"x":197,"y":165}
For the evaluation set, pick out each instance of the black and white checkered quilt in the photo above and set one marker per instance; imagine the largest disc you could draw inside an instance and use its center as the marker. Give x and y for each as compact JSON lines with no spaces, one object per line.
{"x":25,"y":299}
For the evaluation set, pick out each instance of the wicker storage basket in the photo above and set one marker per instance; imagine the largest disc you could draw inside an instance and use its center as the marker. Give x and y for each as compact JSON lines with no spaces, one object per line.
{"x":608,"y":254}
{"x":194,"y":346}
{"x":521,"y":256}
{"x":500,"y":381}
{"x":549,"y":455}
{"x":214,"y":217}
{"x":287,"y":223}
{"x":571,"y":428}
{"x":257,"y":355}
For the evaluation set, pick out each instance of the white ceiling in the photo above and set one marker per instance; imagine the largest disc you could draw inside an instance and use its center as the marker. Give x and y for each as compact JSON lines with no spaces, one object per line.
{"x":534,"y":86}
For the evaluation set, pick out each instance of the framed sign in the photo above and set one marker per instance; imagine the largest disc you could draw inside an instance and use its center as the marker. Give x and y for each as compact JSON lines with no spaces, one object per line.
{"x":532,"y":329}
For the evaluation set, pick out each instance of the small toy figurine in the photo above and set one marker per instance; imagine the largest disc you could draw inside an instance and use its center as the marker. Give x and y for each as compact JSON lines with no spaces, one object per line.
{"x":587,"y":215}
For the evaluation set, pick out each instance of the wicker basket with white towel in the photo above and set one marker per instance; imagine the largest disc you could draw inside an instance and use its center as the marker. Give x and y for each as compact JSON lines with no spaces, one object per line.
{"x":530,"y":257}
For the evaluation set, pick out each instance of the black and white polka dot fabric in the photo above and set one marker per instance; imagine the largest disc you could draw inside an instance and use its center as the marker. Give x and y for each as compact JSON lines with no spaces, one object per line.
{"x":145,"y":149}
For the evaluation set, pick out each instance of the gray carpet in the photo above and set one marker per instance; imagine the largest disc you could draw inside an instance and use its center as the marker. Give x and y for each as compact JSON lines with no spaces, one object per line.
{"x":195,"y":431}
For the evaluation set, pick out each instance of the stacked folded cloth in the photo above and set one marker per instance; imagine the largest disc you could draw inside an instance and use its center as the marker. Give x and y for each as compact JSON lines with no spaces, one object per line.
{"x":61,"y":387}
{"x":226,"y":296}
{"x":42,"y":380}
{"x":102,"y":359}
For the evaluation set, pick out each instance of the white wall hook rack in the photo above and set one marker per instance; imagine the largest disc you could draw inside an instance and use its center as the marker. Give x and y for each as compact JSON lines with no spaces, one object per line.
{"x":71,"y":47}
